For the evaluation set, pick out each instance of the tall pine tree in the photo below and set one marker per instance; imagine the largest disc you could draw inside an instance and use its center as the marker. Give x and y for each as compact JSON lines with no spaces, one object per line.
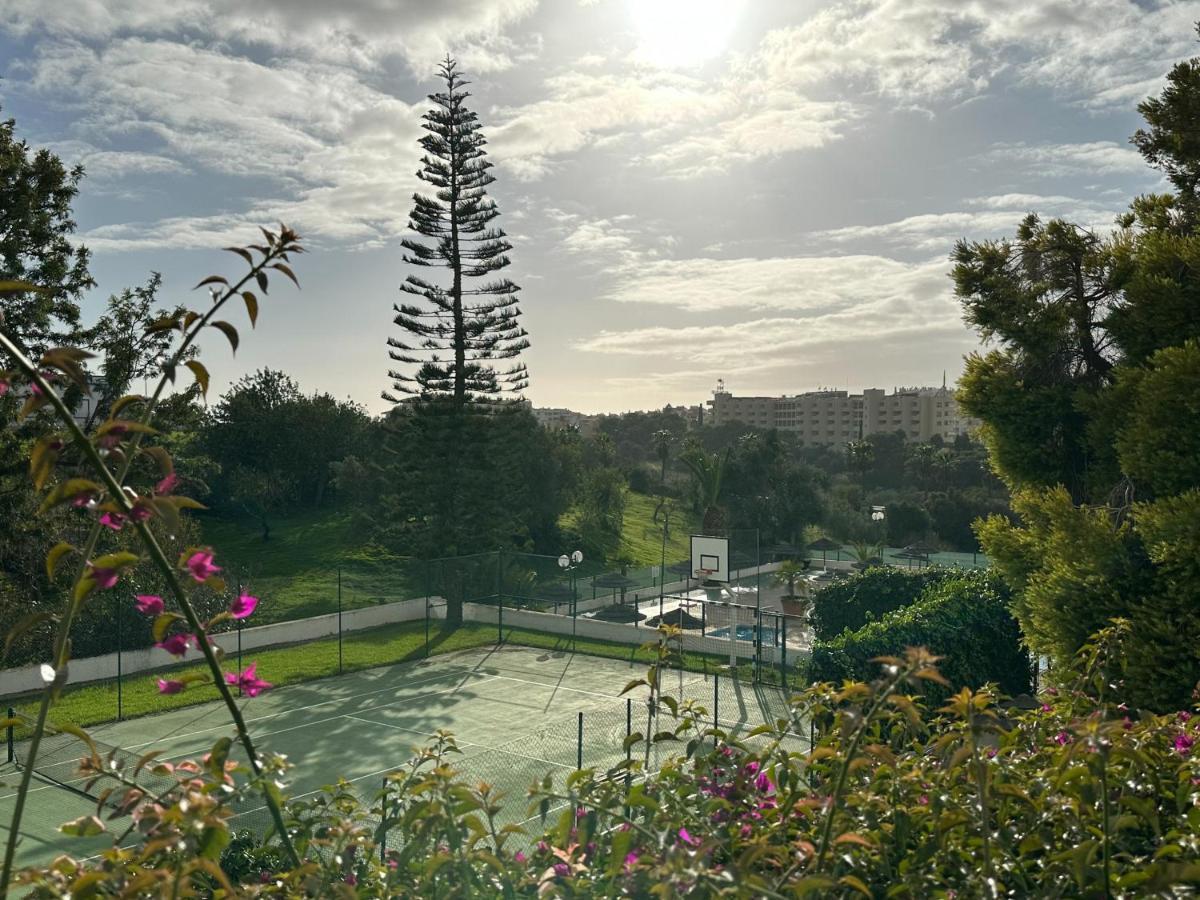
{"x":455,"y":334}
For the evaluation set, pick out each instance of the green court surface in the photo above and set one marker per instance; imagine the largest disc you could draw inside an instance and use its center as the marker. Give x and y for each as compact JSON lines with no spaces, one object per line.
{"x":513,"y":710}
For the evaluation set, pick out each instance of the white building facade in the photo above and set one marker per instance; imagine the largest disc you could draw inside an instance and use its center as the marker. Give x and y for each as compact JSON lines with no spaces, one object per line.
{"x":835,"y":417}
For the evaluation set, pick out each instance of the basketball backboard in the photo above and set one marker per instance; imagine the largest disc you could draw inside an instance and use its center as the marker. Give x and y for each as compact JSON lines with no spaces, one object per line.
{"x":710,"y":558}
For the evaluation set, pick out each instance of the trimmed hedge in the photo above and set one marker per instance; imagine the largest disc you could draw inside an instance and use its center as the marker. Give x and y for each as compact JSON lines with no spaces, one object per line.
{"x":964,"y":619}
{"x":868,"y":596}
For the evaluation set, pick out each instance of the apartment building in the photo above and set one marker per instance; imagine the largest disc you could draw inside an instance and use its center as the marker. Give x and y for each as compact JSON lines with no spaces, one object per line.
{"x":835,"y":417}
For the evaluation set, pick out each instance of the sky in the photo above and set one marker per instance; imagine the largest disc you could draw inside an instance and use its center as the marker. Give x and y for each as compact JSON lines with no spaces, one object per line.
{"x":761,"y":191}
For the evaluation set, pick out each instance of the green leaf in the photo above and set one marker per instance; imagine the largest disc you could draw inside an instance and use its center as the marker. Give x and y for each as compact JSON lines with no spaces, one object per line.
{"x":211,"y":279}
{"x":126,"y":401}
{"x":167,"y":323}
{"x":43,"y":459}
{"x":67,"y":360}
{"x":251,"y":307}
{"x":68,"y":490}
{"x":55,"y":556}
{"x":119,"y":560}
{"x":161,"y":623}
{"x":229,"y":331}
{"x":242,"y":252}
{"x":84,"y":826}
{"x":201,"y":373}
{"x":286,"y":271}
{"x":159,"y":454}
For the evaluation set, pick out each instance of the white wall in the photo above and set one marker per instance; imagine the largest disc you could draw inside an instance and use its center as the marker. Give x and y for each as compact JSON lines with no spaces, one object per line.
{"x":101,"y":668}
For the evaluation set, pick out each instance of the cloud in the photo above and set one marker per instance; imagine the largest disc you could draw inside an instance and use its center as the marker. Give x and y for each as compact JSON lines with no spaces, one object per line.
{"x":1100,"y":53}
{"x":780,"y":283}
{"x":334,"y":156}
{"x":682,"y":126}
{"x":995,"y":216}
{"x":1089,"y":158}
{"x":111,"y":165}
{"x":352,"y":32}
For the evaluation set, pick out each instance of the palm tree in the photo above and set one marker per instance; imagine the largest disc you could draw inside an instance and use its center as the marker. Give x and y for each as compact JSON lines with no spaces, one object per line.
{"x":865,"y":554}
{"x":708,"y":471}
{"x":794,"y":604}
{"x":662,"y":448}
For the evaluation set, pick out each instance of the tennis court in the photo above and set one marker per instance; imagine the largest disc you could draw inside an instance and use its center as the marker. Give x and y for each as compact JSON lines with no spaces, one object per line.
{"x":515,"y":712}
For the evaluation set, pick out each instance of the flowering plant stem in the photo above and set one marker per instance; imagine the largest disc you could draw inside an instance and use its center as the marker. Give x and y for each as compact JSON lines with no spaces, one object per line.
{"x":62,"y":638}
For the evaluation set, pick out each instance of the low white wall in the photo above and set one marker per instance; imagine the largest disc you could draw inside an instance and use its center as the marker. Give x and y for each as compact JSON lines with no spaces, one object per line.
{"x":617,"y":632}
{"x":100,"y":668}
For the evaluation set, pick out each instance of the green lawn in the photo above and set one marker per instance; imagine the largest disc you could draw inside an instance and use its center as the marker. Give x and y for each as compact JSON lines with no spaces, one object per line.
{"x":641,"y":536}
{"x":97,"y":703}
{"x":296,"y":571}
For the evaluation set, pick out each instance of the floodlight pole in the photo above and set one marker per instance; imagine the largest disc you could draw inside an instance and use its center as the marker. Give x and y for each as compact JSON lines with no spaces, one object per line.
{"x":569,"y":564}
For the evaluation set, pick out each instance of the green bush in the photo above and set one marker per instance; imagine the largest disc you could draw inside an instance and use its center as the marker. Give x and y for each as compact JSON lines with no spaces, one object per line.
{"x":964,"y":619}
{"x":862,"y":598}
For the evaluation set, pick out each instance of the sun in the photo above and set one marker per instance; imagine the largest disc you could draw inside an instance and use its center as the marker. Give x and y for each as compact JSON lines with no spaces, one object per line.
{"x":682,"y":33}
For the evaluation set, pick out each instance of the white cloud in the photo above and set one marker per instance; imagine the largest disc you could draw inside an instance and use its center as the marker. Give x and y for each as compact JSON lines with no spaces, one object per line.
{"x":781,"y":283}
{"x":1088,"y":158}
{"x":356,"y":32}
{"x":1100,"y":53}
{"x":999,"y":215}
{"x":339,"y":154}
{"x":109,"y":165}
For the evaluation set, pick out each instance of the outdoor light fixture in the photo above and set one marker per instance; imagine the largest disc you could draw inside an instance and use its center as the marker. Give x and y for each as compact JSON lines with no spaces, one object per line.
{"x":569,"y":564}
{"x":877,"y":513}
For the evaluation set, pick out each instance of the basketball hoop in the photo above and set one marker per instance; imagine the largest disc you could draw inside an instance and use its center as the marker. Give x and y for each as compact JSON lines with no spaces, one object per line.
{"x":704,"y":573}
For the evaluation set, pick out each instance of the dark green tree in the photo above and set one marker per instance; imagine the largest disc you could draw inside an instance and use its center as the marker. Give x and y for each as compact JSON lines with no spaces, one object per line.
{"x":455,"y":333}
{"x":1090,"y":416}
{"x":36,"y":191}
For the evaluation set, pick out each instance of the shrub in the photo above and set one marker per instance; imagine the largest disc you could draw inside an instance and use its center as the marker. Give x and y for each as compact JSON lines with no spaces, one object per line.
{"x":867,"y":596}
{"x":964,"y":619}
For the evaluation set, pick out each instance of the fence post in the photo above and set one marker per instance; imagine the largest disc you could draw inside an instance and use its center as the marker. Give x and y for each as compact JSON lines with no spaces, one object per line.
{"x":383,"y":811}
{"x":579,"y":744}
{"x":628,"y":749}
{"x":339,"y":598}
{"x":783,"y":651}
{"x":716,"y":703}
{"x":703,"y":616}
{"x":12,"y":749}
{"x":120,"y":697}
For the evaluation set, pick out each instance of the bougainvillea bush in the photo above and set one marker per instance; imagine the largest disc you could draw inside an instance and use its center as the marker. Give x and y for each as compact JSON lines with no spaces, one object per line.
{"x":897,"y":796}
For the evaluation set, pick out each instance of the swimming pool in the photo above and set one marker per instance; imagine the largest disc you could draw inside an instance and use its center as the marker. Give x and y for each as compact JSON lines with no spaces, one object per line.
{"x":769,"y":636}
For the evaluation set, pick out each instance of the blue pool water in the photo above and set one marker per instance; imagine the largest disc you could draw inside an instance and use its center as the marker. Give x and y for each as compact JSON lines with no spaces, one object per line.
{"x":746,"y":633}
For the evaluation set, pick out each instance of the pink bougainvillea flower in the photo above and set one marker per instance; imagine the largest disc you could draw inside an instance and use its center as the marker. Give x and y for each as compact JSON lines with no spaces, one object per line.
{"x":141,"y":513}
{"x":687,"y":838}
{"x":519,"y":857}
{"x":3,"y":386}
{"x":1046,"y":707}
{"x":1184,"y":743}
{"x":1185,"y":716}
{"x":167,"y":484}
{"x":763,"y":783}
{"x":243,"y":606}
{"x":631,"y":859}
{"x":149,"y":604}
{"x":177,"y":644}
{"x":200,"y":564}
{"x":113,"y":520}
{"x":248,"y":681}
{"x":1062,"y":738}
{"x":561,"y":870}
{"x":104,"y":578}
{"x":167,"y":686}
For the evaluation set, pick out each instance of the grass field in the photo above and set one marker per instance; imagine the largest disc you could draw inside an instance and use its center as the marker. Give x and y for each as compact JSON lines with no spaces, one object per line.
{"x":296,"y":571}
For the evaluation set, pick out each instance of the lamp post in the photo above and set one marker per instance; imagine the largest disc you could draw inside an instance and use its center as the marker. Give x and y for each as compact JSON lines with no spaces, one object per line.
{"x":569,"y":564}
{"x":878,"y":514}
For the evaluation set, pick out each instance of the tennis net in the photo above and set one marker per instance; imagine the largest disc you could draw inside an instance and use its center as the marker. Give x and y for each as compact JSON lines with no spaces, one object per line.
{"x":101,"y":771}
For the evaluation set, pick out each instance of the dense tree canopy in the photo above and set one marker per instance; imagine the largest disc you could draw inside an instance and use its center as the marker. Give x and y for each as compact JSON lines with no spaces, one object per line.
{"x":1090,"y":414}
